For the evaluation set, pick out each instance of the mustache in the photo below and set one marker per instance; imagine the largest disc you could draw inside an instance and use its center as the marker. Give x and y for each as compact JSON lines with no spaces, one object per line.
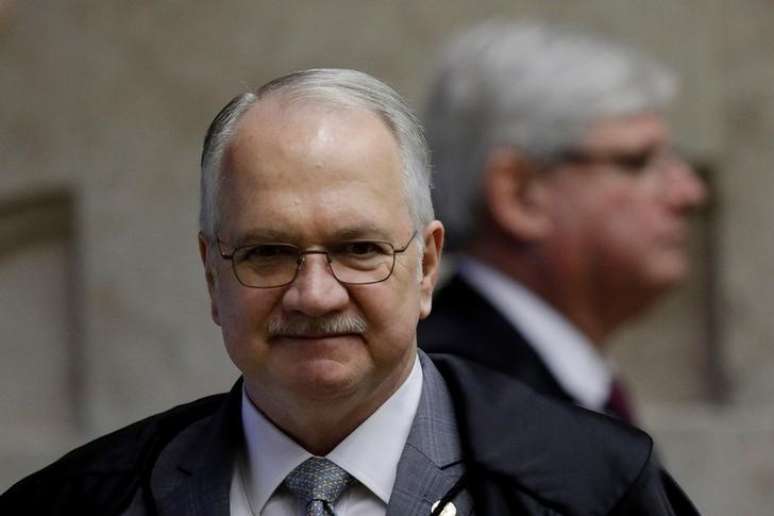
{"x":303,"y":326}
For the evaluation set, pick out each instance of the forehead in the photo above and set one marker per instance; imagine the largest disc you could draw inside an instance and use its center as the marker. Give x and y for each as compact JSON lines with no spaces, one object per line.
{"x":633,"y":132}
{"x":305,"y":165}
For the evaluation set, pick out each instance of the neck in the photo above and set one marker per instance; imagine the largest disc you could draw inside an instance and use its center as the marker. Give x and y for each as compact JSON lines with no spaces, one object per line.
{"x":319,"y":425}
{"x":576,"y":296}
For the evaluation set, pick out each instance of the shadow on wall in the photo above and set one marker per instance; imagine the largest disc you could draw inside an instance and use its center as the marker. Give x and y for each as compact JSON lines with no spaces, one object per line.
{"x":41,"y":323}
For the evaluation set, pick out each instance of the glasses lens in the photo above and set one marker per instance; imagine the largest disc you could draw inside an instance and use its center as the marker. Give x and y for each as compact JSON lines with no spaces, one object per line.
{"x":266,"y":265}
{"x":362,"y":262}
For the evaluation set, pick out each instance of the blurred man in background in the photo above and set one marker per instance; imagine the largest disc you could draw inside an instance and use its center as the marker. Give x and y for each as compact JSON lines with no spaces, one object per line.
{"x":557,"y":182}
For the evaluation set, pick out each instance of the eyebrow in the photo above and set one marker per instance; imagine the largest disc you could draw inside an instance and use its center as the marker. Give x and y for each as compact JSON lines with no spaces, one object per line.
{"x":357,"y":232}
{"x":650,"y":148}
{"x":260,"y":235}
{"x":366,"y":231}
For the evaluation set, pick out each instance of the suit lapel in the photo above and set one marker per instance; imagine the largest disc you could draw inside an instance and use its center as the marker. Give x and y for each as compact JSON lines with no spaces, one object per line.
{"x":431,"y":462}
{"x":518,"y":443}
{"x":485,"y":336}
{"x":193,"y":473}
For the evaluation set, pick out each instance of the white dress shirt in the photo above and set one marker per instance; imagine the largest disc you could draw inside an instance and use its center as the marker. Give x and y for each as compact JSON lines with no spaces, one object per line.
{"x":370,"y":454}
{"x":567,"y":353}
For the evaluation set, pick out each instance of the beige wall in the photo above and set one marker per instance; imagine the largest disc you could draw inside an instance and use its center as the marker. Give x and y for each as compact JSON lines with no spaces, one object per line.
{"x":110,"y":100}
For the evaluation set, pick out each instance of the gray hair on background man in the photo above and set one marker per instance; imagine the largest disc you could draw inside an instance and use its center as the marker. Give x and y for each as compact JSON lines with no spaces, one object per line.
{"x":338,"y":88}
{"x":529,"y":86}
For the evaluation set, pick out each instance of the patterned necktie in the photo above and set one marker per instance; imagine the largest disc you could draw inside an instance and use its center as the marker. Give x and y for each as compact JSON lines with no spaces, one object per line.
{"x":318,"y":483}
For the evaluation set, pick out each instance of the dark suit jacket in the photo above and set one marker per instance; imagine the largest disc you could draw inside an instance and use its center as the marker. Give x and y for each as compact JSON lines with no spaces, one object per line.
{"x":465,"y":324}
{"x":479,"y":440}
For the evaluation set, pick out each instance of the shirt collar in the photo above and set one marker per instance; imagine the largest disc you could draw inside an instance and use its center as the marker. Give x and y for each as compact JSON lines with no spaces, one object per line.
{"x":271,"y":454}
{"x":570,"y":356}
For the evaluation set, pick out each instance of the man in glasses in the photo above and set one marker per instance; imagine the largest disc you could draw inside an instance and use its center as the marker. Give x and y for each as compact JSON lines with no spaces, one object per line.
{"x":321,"y":251}
{"x":557,"y":183}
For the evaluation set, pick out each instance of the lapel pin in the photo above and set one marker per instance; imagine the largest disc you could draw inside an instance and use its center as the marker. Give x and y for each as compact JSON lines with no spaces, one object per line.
{"x":448,"y":510}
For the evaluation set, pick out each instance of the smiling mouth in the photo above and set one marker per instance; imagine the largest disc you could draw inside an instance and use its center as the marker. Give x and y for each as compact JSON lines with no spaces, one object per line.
{"x":316,"y":328}
{"x":678,"y":236}
{"x":315,"y":336}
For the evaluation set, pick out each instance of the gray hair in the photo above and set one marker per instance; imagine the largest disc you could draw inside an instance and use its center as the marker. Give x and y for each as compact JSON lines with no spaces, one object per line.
{"x":336,"y":87}
{"x":528,"y":86}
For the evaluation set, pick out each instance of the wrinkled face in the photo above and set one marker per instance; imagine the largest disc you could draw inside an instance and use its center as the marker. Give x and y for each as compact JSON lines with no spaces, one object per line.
{"x":622,"y":222}
{"x":312,"y":176}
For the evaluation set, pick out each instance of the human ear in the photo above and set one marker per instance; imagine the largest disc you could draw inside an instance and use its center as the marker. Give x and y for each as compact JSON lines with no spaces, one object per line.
{"x":209,"y":274}
{"x":432,"y":238}
{"x":514,"y":195}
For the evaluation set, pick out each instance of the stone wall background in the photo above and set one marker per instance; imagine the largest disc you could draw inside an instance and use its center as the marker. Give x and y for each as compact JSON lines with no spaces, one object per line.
{"x":108,"y":101}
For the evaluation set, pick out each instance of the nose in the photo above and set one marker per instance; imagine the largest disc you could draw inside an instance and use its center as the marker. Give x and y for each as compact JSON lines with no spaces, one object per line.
{"x":315,"y":291}
{"x":686,"y":190}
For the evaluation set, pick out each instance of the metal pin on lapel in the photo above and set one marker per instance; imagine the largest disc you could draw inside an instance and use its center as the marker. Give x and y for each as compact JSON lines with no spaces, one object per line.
{"x":448,"y":510}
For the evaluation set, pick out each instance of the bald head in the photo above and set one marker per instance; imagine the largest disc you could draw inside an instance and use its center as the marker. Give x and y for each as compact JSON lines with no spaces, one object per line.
{"x":334,"y":88}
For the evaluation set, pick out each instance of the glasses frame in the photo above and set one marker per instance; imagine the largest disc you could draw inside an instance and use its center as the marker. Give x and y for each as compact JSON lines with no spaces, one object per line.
{"x":301,"y":255}
{"x":632,"y":162}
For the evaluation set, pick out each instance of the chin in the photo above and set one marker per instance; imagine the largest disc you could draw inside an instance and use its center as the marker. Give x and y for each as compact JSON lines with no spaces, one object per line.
{"x":323,"y":379}
{"x":668,"y":272}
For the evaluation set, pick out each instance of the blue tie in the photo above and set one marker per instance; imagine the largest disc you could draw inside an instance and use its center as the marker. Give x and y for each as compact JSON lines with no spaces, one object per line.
{"x":318,"y":483}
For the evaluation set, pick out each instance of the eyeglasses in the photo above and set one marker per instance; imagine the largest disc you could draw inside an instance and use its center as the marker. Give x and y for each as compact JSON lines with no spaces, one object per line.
{"x":634,"y":162}
{"x":270,"y":265}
